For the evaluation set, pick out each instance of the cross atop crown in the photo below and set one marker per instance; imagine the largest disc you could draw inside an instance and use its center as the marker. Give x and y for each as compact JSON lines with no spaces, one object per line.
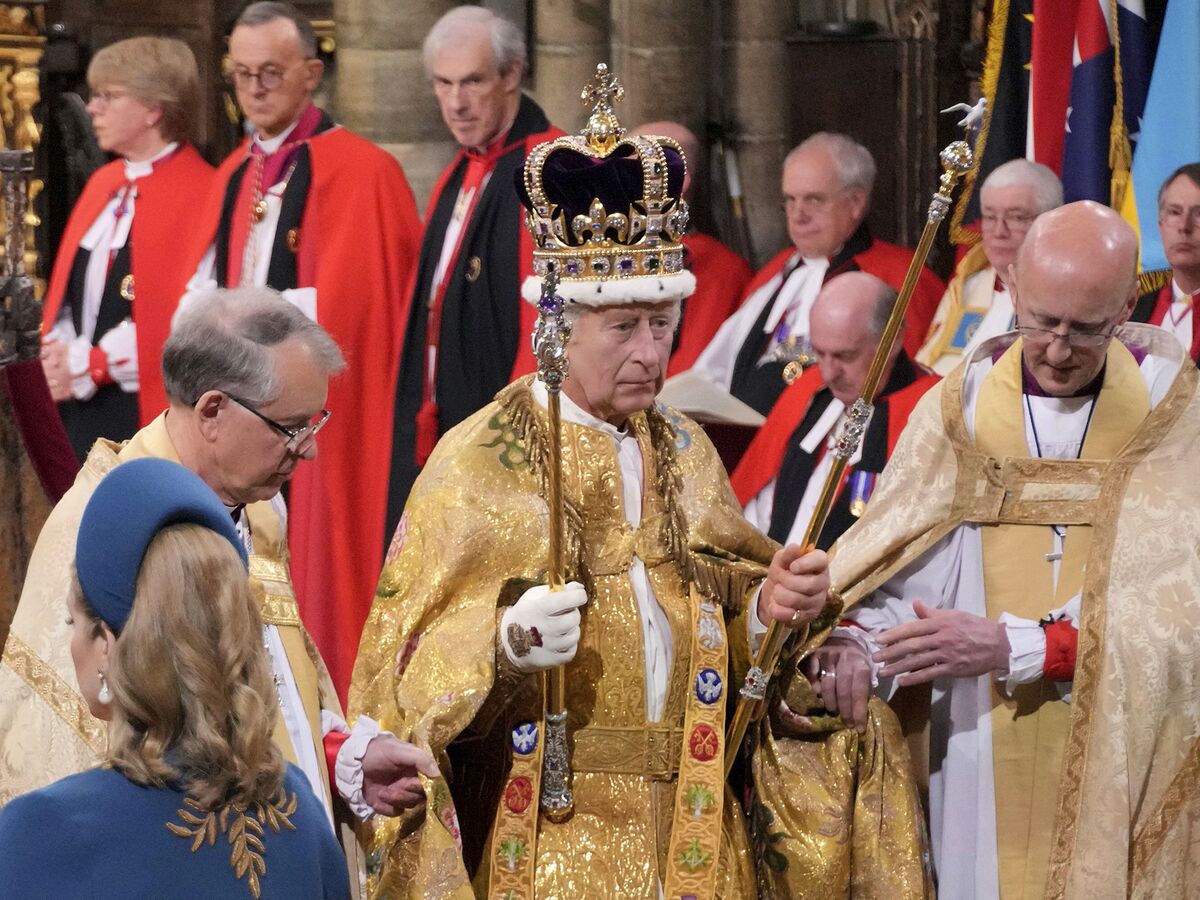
{"x":602,"y":130}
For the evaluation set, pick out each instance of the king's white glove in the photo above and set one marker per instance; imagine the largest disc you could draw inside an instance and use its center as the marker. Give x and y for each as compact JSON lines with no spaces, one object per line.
{"x":541,"y":630}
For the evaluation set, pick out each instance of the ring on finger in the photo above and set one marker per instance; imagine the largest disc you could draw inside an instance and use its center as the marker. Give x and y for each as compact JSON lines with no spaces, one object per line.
{"x":795,"y":617}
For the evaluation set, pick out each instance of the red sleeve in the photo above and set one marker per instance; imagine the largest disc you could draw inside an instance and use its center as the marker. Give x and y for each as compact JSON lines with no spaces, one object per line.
{"x":333,"y":741}
{"x":1062,"y":638}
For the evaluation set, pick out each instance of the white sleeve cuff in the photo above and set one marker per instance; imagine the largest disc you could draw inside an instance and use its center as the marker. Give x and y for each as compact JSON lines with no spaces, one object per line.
{"x":120,"y":346}
{"x":348,"y":770}
{"x":79,"y":364}
{"x":1027,"y":651}
{"x":861,"y":637}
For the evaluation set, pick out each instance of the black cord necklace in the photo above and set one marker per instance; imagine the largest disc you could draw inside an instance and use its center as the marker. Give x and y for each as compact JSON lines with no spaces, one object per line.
{"x":1059,"y":532}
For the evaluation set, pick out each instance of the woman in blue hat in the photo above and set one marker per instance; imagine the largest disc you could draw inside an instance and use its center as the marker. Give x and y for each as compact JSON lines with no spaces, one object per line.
{"x":193,"y":798}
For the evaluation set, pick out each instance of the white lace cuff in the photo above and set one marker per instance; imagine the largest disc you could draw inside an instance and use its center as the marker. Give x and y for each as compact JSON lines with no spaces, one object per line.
{"x":348,"y":770}
{"x":861,"y":637}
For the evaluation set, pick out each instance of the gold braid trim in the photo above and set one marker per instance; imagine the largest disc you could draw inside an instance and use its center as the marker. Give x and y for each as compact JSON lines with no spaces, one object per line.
{"x":1149,"y":838}
{"x":669,"y":483}
{"x":519,"y":410}
{"x":63,"y":699}
{"x":1153,"y":281}
{"x":723,"y":577}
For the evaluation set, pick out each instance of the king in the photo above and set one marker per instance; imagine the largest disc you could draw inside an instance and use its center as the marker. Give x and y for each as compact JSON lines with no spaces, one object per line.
{"x":667,"y":587}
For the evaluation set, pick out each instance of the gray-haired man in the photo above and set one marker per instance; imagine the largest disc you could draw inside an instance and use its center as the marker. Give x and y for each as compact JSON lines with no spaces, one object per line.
{"x":246,"y":374}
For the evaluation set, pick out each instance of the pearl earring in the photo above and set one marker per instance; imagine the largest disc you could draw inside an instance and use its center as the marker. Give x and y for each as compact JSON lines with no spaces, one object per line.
{"x":104,"y":695}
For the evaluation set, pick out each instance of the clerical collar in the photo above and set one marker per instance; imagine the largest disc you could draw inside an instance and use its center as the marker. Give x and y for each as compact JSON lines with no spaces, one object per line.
{"x":143,"y":167}
{"x":310,"y":117}
{"x":1031,"y":387}
{"x":573,"y":412}
{"x":1179,"y":295}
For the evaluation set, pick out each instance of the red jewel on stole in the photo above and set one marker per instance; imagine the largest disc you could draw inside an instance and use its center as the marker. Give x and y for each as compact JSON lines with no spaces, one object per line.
{"x":704,"y":743}
{"x":518,"y":795}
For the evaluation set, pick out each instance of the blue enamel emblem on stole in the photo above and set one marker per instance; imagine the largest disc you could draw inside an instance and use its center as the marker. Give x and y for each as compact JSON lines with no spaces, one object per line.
{"x":525,"y":738}
{"x":708,"y":686}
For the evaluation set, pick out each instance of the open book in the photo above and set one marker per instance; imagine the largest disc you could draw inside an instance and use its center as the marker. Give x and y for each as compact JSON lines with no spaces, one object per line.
{"x":694,"y":395}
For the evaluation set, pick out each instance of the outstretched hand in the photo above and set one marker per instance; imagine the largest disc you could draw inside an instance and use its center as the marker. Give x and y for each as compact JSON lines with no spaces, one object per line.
{"x":942,"y":643}
{"x":391,"y":769}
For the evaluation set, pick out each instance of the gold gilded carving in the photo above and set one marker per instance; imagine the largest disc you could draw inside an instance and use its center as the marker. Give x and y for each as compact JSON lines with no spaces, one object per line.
{"x":22,"y":38}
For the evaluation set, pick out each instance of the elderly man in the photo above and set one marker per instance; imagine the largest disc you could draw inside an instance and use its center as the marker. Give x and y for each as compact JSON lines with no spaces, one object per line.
{"x":826,"y":188}
{"x":779,"y":479}
{"x":1005,"y":561}
{"x":977,"y":305}
{"x":247,"y":378}
{"x":467,"y":335}
{"x":721,"y":275}
{"x":664,"y":590}
{"x":1173,"y":305}
{"x":310,"y":209}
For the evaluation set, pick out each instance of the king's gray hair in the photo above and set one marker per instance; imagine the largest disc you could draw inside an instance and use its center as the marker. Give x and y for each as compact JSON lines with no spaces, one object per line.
{"x":508,"y":44}
{"x":221,"y":341}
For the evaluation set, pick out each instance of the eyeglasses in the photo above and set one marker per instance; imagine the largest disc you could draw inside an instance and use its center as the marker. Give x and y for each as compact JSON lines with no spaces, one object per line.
{"x":1044,"y":337}
{"x":298,"y":439}
{"x":1177,"y":216}
{"x":1013,"y":219}
{"x":105,"y":97}
{"x":268,"y":77}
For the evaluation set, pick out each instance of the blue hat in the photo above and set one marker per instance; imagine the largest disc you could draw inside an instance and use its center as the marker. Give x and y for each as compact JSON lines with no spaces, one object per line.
{"x":129,"y":507}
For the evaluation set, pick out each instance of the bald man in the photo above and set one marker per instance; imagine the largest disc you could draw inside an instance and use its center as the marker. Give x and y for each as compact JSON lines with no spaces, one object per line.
{"x":779,"y":479}
{"x":721,"y":274}
{"x":1008,"y":559}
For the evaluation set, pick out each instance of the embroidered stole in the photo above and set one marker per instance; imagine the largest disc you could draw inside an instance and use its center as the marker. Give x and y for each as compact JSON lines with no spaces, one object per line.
{"x":1029,"y":729}
{"x":657,"y":748}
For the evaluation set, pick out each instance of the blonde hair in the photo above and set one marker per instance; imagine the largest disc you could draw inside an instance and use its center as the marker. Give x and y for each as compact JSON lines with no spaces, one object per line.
{"x":158,"y":72}
{"x":193,"y":697}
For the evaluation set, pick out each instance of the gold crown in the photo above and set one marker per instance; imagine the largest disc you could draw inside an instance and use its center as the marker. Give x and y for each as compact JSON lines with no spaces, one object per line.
{"x":596,"y":243}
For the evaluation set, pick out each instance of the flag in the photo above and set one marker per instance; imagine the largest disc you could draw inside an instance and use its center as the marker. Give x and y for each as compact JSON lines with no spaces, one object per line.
{"x":1107,"y":97}
{"x":1006,"y":87}
{"x":1066,"y":82}
{"x":1169,"y":131}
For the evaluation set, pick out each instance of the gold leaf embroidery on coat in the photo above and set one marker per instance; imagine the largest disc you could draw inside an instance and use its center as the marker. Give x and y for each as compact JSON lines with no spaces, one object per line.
{"x":244,"y":828}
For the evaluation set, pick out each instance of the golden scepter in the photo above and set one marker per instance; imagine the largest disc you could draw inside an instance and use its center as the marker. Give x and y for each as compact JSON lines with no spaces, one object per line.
{"x":957,"y":159}
{"x":550,"y":349}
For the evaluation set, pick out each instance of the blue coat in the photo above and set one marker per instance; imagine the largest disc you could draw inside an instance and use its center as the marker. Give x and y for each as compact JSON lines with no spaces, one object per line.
{"x":97,"y":835}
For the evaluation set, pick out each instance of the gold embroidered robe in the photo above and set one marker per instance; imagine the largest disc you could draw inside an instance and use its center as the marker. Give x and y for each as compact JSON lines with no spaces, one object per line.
{"x":472,"y":539}
{"x":1128,"y":793}
{"x":46,"y":731}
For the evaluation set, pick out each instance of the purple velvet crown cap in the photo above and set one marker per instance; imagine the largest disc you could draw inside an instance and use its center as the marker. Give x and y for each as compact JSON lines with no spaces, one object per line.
{"x":572,"y":180}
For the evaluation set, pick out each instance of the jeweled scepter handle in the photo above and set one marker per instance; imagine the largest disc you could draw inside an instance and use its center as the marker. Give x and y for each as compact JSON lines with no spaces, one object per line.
{"x":550,"y":351}
{"x":957,"y":159}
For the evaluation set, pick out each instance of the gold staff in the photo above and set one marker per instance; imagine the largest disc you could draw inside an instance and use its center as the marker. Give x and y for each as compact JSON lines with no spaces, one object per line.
{"x":957,"y":159}
{"x":550,"y":349}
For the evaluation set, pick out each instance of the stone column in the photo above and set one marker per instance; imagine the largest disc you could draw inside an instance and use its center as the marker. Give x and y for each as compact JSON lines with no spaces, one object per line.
{"x":662,"y":53}
{"x":569,"y":38}
{"x":382,"y":90}
{"x":754,"y":55}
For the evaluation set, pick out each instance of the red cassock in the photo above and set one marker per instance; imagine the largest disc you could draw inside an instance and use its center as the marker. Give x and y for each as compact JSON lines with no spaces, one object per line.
{"x":721,"y":279}
{"x":889,"y":263}
{"x":765,"y":454}
{"x":163,"y":221}
{"x":358,"y":247}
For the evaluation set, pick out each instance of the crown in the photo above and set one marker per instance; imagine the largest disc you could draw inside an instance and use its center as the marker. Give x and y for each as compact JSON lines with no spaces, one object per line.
{"x":605,"y":210}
